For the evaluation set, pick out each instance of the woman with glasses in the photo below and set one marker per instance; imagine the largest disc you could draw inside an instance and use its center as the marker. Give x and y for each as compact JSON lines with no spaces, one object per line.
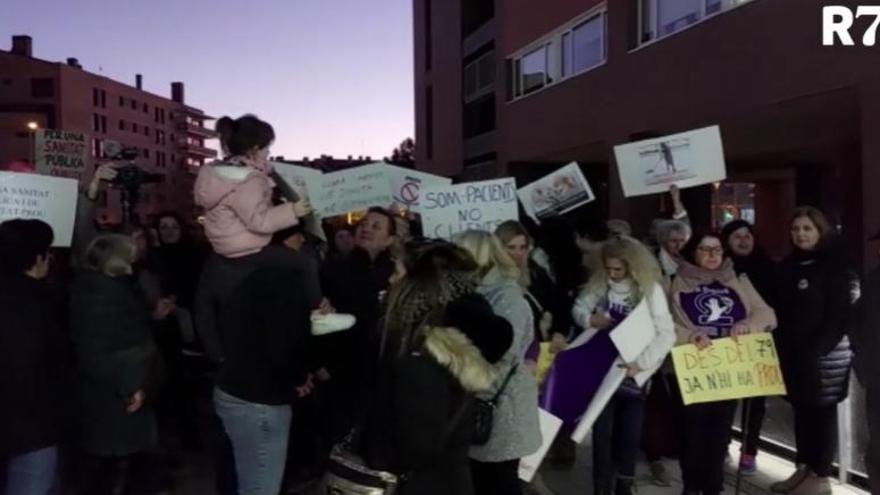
{"x":710,"y":301}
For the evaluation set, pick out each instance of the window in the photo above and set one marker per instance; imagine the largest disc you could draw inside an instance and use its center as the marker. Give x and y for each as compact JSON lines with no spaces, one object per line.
{"x":104,"y":124}
{"x":96,"y":97}
{"x":479,"y":77}
{"x":97,"y":148}
{"x":96,"y":122}
{"x":146,"y":108}
{"x":43,"y":87}
{"x":134,"y":105}
{"x":103,"y":99}
{"x":121,"y":125}
{"x":531,"y":72}
{"x":121,"y":101}
{"x":429,"y":36}
{"x":134,"y":128}
{"x":584,"y":46}
{"x":660,"y":18}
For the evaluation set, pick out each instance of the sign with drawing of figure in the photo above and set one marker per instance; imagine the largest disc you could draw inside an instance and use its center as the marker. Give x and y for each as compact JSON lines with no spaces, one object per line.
{"x":558,"y":193}
{"x":688,"y":159}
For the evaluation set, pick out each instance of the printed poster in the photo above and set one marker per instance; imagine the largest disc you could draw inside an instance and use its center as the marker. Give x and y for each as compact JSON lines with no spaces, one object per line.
{"x":729,"y":369}
{"x":449,"y":210}
{"x":688,"y":159}
{"x":40,"y":197}
{"x":557,"y":193}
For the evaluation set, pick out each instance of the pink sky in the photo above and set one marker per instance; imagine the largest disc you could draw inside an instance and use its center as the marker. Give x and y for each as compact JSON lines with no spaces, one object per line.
{"x":332,"y":76}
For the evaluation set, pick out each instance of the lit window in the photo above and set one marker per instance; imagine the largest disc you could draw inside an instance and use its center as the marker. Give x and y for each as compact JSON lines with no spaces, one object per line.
{"x":661,"y":18}
{"x":531,"y":71}
{"x":584,"y":46}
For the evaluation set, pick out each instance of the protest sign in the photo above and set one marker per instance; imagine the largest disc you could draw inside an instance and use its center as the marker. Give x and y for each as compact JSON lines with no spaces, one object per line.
{"x":610,"y":383}
{"x":407,"y":185}
{"x":304,"y":183}
{"x":354,"y":189}
{"x":634,"y":333}
{"x":557,"y":193}
{"x":688,"y":159}
{"x":729,"y":369}
{"x":550,"y":426}
{"x":61,"y":153}
{"x":32,"y":196}
{"x":449,"y":210}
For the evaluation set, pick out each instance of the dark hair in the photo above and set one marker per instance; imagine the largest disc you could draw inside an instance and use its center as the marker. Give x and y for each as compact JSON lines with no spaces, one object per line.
{"x":689,"y":251}
{"x":21,"y":242}
{"x":240,"y":136}
{"x":392,"y":229}
{"x":826,"y":230}
{"x":732,"y":227}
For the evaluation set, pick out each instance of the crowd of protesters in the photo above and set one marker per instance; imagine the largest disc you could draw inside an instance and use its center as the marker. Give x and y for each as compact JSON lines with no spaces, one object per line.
{"x":391,"y":344}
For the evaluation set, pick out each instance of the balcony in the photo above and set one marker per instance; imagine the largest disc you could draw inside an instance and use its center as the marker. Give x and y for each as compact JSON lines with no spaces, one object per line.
{"x":196,"y":150}
{"x":196,"y":130}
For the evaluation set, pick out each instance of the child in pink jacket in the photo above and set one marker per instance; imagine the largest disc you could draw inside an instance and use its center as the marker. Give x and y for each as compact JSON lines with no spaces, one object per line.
{"x":236,"y":192}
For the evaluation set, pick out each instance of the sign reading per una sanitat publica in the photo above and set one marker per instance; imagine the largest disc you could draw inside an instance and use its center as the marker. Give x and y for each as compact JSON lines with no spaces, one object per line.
{"x":61,"y":153}
{"x":729,"y":369}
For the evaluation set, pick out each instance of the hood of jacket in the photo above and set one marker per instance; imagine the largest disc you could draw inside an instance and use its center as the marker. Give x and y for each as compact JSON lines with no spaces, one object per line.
{"x":694,"y":275}
{"x":455,"y":352}
{"x":218,"y":180}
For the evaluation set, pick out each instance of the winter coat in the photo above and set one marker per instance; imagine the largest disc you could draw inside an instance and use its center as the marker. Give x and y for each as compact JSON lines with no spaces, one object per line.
{"x":816,"y":296}
{"x":548,"y":303}
{"x":265,"y":334}
{"x":515,"y":432}
{"x":866,"y":337}
{"x":430,"y":420}
{"x":116,"y":356}
{"x":221,"y":278}
{"x":737,"y":302}
{"x":179,"y":266}
{"x":239,"y":216}
{"x":619,"y":295}
{"x":35,"y":366}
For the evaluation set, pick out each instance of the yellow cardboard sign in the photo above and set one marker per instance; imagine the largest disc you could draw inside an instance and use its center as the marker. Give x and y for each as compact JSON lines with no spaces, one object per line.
{"x":729,"y":369}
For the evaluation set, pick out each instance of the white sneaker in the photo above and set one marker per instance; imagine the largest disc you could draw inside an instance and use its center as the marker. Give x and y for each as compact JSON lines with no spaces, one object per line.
{"x":332,"y":323}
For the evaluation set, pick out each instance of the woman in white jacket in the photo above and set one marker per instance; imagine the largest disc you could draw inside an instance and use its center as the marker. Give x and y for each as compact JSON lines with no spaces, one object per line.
{"x":631,"y":274}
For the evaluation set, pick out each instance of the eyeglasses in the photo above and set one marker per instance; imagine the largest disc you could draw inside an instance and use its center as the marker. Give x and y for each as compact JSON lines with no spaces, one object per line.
{"x":710,"y":250}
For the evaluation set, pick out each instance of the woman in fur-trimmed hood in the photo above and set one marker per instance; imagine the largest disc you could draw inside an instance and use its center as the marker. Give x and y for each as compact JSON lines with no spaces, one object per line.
{"x":439,"y":342}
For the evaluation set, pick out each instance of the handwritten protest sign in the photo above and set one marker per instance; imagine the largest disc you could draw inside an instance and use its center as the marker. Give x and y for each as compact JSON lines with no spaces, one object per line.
{"x":407,"y":185}
{"x":688,"y":159}
{"x":729,"y":370}
{"x":32,"y":196}
{"x":558,"y":193}
{"x":61,"y":153}
{"x":306,"y":184}
{"x":449,"y":210}
{"x":354,"y":189}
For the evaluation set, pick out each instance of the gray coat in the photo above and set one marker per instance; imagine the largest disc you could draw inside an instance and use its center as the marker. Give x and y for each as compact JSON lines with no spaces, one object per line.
{"x":515,"y":432}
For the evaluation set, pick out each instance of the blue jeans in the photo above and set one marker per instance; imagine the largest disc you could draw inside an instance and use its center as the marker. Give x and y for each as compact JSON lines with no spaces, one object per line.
{"x":616,"y":437}
{"x":259,"y":435}
{"x":33,"y":473}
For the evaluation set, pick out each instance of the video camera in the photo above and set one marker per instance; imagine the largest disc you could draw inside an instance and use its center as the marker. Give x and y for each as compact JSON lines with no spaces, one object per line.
{"x":129,"y":176}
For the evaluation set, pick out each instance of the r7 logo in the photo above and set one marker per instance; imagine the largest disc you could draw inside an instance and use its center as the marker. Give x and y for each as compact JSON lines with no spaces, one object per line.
{"x":837,"y":20}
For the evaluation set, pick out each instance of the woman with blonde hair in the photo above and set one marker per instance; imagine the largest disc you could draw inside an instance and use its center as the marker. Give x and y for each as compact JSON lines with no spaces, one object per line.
{"x":118,"y":363}
{"x":515,"y":430}
{"x":630,"y":276}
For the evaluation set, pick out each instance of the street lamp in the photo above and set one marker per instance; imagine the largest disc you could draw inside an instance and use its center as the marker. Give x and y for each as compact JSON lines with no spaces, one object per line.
{"x":33,"y":126}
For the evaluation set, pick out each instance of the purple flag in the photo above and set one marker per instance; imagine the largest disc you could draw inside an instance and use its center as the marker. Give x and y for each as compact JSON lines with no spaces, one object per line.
{"x":576,"y":376}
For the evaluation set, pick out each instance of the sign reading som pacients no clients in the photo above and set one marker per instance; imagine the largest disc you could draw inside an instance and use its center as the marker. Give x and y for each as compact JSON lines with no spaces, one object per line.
{"x":449,"y":210}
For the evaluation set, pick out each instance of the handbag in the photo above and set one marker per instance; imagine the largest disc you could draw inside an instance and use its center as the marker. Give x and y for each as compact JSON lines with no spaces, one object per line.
{"x":484,"y":412}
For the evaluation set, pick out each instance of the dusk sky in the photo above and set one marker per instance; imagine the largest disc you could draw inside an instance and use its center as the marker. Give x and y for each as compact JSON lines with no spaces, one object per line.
{"x":332,"y":76}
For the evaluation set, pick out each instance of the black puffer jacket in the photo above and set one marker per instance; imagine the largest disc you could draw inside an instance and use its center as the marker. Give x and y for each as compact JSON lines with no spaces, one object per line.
{"x":817,"y":293}
{"x":866,"y":340}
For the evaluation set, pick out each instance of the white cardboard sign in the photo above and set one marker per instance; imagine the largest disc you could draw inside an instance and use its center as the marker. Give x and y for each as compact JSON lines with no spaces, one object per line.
{"x":558,"y":193}
{"x":306,"y":182}
{"x":688,"y":159}
{"x":40,"y":197}
{"x":354,"y":189}
{"x":449,"y":210}
{"x":61,"y":153}
{"x":407,"y":185}
{"x":550,"y":426}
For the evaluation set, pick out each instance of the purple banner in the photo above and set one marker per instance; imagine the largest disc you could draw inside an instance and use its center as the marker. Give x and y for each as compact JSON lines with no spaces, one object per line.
{"x":576,"y":376}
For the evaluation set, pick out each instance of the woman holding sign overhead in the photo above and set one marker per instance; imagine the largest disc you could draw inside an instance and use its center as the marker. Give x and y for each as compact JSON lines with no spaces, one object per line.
{"x":709,"y":301}
{"x":630,"y":275}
